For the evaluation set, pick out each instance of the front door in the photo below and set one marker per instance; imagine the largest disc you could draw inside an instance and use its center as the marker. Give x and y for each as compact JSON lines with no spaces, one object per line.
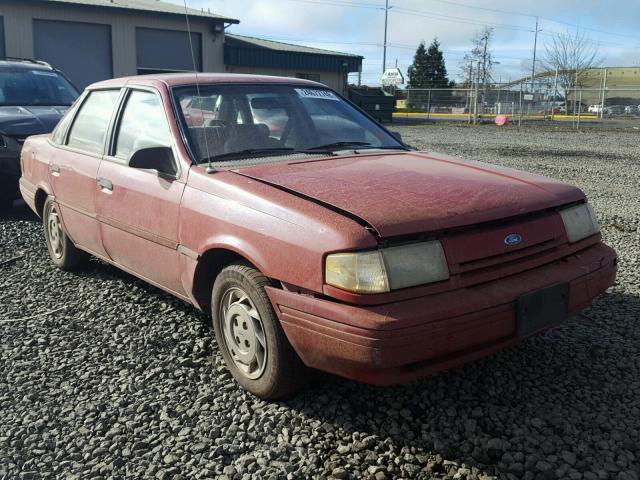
{"x":74,"y":168}
{"x":138,"y":209}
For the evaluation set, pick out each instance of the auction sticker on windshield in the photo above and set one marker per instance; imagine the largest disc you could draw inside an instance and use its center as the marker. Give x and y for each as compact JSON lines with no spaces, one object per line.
{"x":316,"y":93}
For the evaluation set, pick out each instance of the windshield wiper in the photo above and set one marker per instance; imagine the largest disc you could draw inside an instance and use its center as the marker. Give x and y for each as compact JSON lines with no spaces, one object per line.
{"x":358,"y":145}
{"x":249,"y":152}
{"x":264,"y":152}
{"x":337,"y":145}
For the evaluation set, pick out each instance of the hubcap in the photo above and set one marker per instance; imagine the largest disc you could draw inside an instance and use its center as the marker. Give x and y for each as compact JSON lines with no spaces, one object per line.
{"x":244,"y":335}
{"x":55,"y":232}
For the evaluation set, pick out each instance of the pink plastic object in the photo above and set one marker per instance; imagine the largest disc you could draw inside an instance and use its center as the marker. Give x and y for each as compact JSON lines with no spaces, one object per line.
{"x":501,"y":120}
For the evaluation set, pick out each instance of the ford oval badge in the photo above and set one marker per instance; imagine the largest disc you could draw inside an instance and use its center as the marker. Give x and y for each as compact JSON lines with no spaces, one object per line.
{"x":512,"y":239}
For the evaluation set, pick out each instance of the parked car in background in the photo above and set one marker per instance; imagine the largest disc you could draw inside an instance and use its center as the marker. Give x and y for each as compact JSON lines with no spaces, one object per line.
{"x":33,"y":98}
{"x":614,"y":110}
{"x":324,"y":242}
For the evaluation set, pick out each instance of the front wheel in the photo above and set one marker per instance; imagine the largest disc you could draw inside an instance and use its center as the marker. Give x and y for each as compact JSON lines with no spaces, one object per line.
{"x":251,"y":340}
{"x":62,"y":251}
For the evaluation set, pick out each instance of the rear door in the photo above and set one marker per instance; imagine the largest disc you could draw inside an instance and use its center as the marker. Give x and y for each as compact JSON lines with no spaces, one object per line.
{"x":138,"y":209}
{"x":74,"y":167}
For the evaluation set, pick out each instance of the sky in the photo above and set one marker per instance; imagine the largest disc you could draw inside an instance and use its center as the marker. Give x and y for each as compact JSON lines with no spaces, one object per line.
{"x":356,"y":26}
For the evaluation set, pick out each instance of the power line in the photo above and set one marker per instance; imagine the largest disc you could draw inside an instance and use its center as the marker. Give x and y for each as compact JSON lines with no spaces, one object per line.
{"x":435,"y":15}
{"x":457,"y":19}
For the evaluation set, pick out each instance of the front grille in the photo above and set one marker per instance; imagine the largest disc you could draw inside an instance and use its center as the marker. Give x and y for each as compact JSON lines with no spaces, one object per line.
{"x":481,"y":255}
{"x":538,"y":249}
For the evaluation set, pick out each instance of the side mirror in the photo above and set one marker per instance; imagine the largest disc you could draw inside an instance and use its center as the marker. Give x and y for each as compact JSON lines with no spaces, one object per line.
{"x":397,"y":136}
{"x":154,"y":158}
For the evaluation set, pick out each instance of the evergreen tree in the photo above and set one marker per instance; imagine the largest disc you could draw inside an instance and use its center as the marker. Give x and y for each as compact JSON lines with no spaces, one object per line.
{"x":417,"y":72}
{"x":436,"y":69}
{"x":427,"y":71}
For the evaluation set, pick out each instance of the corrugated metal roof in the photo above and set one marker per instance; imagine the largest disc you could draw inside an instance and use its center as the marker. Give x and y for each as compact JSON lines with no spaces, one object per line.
{"x":148,"y":6}
{"x":284,"y":47}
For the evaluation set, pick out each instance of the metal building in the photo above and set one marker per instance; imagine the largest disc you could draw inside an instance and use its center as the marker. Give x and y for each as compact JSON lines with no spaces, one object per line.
{"x":91,"y":40}
{"x":250,"y":55}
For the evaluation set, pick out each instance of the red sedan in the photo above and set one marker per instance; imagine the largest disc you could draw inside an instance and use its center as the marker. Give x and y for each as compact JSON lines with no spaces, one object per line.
{"x":322,"y":242}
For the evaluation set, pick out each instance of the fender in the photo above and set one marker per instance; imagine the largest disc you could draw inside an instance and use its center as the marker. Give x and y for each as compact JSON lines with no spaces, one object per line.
{"x":190,"y":261}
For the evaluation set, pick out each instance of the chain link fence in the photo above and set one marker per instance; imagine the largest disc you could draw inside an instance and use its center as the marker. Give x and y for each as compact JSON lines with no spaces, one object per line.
{"x":521,"y":103}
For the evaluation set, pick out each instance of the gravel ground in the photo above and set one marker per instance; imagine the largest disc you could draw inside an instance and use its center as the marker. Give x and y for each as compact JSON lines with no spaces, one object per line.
{"x":122,"y":380}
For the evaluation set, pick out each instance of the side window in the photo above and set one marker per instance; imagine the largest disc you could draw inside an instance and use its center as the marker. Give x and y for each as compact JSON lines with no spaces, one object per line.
{"x":143,"y":125}
{"x":90,"y":126}
{"x":63,"y":125}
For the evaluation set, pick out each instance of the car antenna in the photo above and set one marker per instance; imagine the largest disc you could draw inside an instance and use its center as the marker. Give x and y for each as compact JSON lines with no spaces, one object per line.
{"x":210,"y":168}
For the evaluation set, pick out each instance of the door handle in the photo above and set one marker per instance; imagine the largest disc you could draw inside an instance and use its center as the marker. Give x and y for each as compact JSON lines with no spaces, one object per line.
{"x":105,"y":184}
{"x":55,"y":169}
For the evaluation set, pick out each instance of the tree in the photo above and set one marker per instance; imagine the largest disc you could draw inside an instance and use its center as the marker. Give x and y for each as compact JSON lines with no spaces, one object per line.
{"x":480,"y":54}
{"x":417,"y":71}
{"x":572,"y":55}
{"x":428,"y":69}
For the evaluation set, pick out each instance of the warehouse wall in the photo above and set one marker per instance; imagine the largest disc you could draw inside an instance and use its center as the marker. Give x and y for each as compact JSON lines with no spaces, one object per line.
{"x":334,"y":80}
{"x":18,"y":25}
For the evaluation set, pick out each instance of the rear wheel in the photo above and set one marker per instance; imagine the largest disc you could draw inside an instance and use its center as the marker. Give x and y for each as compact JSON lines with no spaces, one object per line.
{"x":251,"y":340}
{"x":62,"y":251}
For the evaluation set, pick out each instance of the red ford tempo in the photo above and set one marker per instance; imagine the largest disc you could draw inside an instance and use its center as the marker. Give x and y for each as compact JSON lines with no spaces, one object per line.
{"x":315,"y":237}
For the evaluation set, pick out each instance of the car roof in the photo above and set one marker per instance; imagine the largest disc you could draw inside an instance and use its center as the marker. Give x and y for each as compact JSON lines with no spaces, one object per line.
{"x":26,"y":64}
{"x":190,"y":78}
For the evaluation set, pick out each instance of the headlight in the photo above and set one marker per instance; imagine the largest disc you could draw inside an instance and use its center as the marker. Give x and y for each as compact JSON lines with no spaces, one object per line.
{"x":579,"y":222}
{"x":387,"y":269}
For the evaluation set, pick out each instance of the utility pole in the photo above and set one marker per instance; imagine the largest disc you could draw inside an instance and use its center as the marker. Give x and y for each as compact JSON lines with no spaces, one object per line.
{"x":484,"y":64}
{"x":535,"y":48}
{"x":384,"y":48}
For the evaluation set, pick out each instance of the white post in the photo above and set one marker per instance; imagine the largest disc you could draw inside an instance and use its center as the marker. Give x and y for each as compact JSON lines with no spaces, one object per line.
{"x":555,"y":95}
{"x":604,"y":89}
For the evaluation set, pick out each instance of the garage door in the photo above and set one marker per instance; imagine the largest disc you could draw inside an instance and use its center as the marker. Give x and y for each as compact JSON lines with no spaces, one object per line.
{"x":81,"y":50}
{"x":167,"y":50}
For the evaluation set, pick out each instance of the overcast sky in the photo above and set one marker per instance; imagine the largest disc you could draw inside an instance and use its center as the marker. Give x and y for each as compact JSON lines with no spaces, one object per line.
{"x":356,"y":26}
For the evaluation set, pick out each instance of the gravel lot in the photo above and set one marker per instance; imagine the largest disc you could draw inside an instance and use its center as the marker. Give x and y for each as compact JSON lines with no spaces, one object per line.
{"x":122,"y":380}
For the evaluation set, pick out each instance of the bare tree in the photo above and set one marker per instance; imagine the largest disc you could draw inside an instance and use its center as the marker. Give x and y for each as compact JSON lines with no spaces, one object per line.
{"x":480,"y":55}
{"x":572,"y":54}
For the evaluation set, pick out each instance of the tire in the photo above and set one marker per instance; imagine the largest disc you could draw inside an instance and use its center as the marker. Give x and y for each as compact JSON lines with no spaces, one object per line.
{"x":264,"y":364}
{"x":62,"y":251}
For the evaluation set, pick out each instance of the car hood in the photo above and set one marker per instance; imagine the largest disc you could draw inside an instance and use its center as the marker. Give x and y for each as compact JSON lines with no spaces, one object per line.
{"x":25,"y":121}
{"x":413,"y":192}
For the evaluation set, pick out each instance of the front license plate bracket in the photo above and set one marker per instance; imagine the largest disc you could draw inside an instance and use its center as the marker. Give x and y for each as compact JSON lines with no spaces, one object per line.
{"x":542,"y":309}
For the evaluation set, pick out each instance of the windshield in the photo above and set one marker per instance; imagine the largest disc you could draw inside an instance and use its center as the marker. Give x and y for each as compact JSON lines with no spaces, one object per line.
{"x":225,"y":120}
{"x":23,"y":88}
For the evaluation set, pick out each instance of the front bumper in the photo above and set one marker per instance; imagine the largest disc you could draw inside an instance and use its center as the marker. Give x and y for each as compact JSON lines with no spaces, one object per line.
{"x":9,"y":170}
{"x":10,"y":157}
{"x":402,"y":341}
